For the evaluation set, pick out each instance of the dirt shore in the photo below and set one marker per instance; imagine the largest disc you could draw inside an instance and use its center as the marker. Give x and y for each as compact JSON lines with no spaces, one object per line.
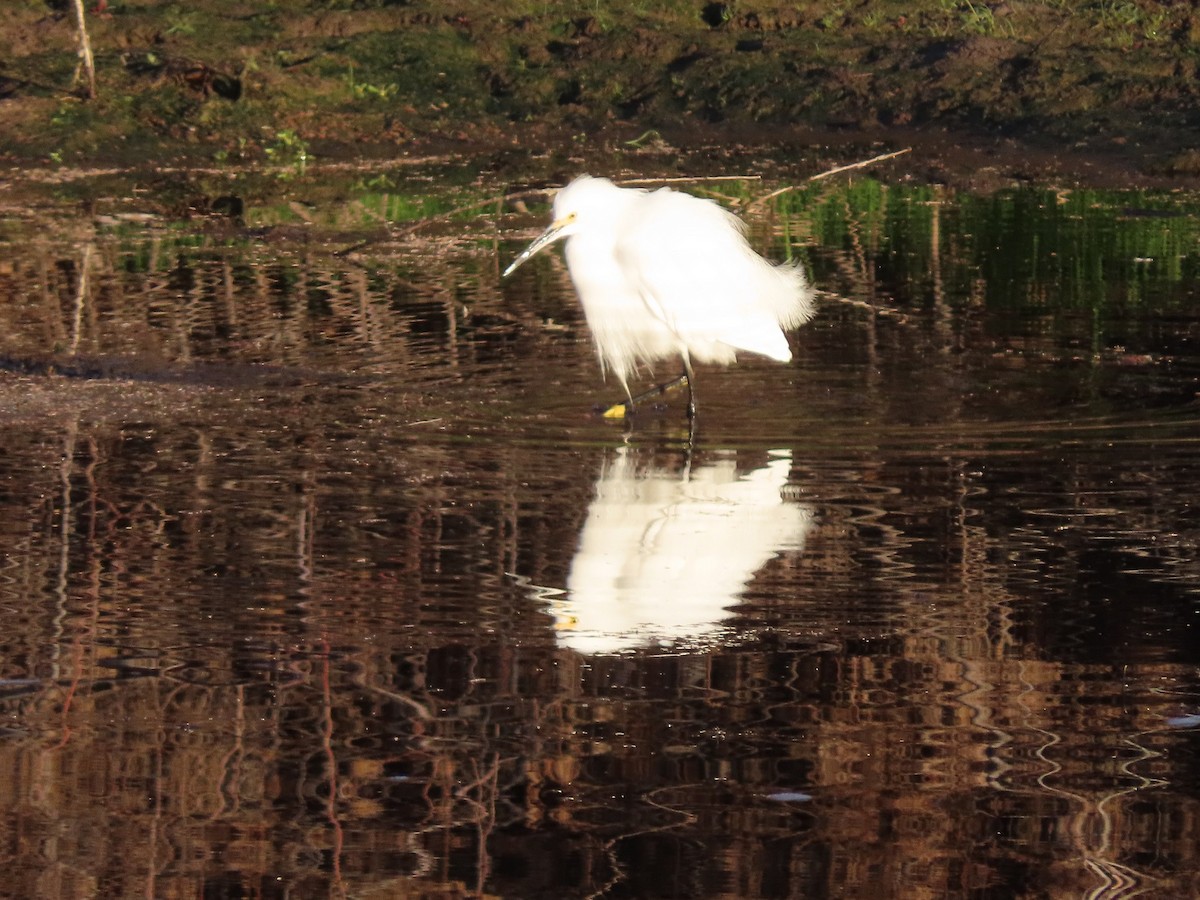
{"x":984,"y":92}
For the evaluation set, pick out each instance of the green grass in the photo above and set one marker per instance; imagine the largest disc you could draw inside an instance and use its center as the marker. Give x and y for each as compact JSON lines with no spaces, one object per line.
{"x":360,"y":71}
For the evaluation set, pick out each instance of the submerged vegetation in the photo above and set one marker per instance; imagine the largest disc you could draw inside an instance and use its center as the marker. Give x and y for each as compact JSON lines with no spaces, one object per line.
{"x":218,"y":80}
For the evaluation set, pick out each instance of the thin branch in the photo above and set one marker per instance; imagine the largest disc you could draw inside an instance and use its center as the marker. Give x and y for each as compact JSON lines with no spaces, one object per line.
{"x":834,"y":171}
{"x":86,"y":61}
{"x":831,"y":297}
{"x":691,"y":179}
{"x":859,"y":165}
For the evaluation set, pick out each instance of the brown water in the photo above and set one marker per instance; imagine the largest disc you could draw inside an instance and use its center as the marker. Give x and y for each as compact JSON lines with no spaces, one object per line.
{"x":322,"y":578}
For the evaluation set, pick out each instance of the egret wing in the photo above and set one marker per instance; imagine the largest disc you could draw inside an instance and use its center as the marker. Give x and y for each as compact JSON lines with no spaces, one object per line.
{"x":689,"y":260}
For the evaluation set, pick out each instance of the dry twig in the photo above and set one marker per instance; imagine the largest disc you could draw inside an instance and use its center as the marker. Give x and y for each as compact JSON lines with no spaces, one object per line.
{"x":86,"y":61}
{"x":828,"y":172}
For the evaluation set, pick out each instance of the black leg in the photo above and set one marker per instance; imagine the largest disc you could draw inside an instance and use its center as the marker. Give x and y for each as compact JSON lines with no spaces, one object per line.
{"x":659,"y":389}
{"x":619,"y":410}
{"x":690,"y":377}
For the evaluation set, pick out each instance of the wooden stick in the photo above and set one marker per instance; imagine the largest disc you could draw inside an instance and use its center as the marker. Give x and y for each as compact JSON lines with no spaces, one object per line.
{"x":859,"y":165}
{"x":862,"y":304}
{"x":86,"y":61}
{"x":689,"y":179}
{"x":834,"y":171}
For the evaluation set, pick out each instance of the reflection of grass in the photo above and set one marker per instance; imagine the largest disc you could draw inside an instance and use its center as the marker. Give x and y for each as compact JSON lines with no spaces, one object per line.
{"x":1027,"y":249}
{"x":1070,"y":247}
{"x":368,"y":206}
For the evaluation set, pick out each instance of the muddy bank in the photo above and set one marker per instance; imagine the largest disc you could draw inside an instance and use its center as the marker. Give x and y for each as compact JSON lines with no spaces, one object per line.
{"x":206,"y":84}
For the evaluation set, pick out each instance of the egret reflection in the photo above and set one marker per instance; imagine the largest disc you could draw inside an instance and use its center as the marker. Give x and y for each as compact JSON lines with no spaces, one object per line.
{"x":664,"y":554}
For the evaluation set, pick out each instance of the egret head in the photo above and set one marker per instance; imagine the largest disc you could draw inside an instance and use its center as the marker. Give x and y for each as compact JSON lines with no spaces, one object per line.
{"x":584,"y":200}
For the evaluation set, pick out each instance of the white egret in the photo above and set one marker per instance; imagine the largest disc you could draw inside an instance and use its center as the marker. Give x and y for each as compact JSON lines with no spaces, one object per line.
{"x":663,"y":274}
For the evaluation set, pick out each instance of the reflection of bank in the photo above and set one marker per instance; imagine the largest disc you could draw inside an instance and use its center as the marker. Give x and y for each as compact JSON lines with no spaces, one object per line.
{"x":663,"y":554}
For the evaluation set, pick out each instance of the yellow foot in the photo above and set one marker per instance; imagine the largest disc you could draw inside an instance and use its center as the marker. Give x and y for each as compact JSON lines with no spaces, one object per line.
{"x":616,"y":411}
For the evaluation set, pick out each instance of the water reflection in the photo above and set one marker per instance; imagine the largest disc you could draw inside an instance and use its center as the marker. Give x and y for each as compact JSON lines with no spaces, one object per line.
{"x":257,"y":636}
{"x":666,"y":551}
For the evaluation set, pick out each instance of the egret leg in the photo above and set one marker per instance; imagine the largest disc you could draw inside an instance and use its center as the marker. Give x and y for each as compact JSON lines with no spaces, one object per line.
{"x":690,"y":377}
{"x":620,"y":410}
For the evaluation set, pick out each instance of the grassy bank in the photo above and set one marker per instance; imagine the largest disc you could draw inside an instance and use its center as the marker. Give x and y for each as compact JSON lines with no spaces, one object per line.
{"x":218,"y":80}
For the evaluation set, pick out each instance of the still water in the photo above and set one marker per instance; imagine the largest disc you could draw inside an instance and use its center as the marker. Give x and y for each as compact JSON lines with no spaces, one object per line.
{"x":321,"y":576}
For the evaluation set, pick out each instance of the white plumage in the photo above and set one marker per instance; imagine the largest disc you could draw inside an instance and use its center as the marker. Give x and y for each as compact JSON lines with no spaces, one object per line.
{"x":663,"y":555}
{"x":663,"y":274}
